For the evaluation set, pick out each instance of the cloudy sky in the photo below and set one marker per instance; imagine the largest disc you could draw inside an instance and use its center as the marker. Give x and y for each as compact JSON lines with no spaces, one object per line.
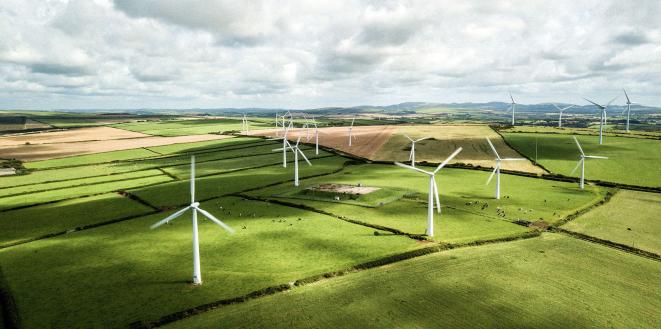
{"x":301,"y":54}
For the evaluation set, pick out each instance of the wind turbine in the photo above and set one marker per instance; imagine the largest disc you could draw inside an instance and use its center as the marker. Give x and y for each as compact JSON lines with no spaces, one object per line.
{"x":412,"y":153}
{"x":581,"y":162}
{"x":194,"y":206}
{"x":561,"y":110}
{"x":277,"y":132}
{"x":316,"y":136}
{"x":296,"y":151}
{"x":628,"y":110}
{"x":602,"y":121}
{"x":350,"y":129}
{"x":512,"y":107}
{"x":244,"y":125}
{"x":433,"y":190}
{"x":306,"y":125}
{"x":496,"y":170}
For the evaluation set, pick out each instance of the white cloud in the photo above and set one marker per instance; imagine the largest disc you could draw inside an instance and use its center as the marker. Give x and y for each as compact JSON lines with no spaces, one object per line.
{"x":168,"y":53}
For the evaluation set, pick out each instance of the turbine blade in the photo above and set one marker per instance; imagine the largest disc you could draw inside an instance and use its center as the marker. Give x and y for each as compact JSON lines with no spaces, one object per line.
{"x":595,"y":157}
{"x":513,"y":159}
{"x":303,"y":155}
{"x":577,"y":165}
{"x":438,"y":202}
{"x":215,"y":220}
{"x":567,"y":108}
{"x":491,"y":176}
{"x":579,"y":145}
{"x":599,"y":106}
{"x":612,"y":100}
{"x":169,"y":218}
{"x":421,"y":139}
{"x":627,"y":96}
{"x":413,"y":168}
{"x":556,"y":106}
{"x":352,"y":120}
{"x":448,"y":159}
{"x":511,"y":97}
{"x":407,"y":136}
{"x":493,"y":148}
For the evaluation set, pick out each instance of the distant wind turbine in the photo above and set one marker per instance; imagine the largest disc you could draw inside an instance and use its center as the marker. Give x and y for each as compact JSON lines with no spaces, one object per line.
{"x":296,"y":151}
{"x":350,"y":129}
{"x":602,"y":120}
{"x":628,"y":110}
{"x":561,"y":110}
{"x":412,"y":153}
{"x":512,"y":107}
{"x":496,"y":169}
{"x":581,"y":162}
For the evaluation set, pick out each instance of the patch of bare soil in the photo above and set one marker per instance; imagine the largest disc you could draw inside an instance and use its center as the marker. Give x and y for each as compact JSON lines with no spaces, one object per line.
{"x":366,"y":142}
{"x":69,"y":136}
{"x":44,"y":151}
{"x":344,"y":188}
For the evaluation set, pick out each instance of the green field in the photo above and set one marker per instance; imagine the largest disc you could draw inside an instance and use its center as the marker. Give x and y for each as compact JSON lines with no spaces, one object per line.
{"x":522,"y":284}
{"x":630,"y":218}
{"x":79,"y":252}
{"x":469,"y":209}
{"x":59,"y":282}
{"x":631,"y":161}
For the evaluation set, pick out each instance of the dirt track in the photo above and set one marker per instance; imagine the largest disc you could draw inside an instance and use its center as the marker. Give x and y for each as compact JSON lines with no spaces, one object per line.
{"x":367,"y":139}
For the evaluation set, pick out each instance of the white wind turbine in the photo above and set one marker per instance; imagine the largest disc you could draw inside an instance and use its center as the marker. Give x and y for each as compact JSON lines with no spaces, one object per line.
{"x":244,"y":125}
{"x":496,"y":170}
{"x":628,"y":109}
{"x":512,"y":107}
{"x":350,"y":130}
{"x":277,"y":128}
{"x":306,"y":125}
{"x":412,"y":153}
{"x":581,"y":162}
{"x":433,"y":190}
{"x":296,"y":151}
{"x":194,"y":206}
{"x":561,"y":110}
{"x":316,"y":136}
{"x":602,"y":120}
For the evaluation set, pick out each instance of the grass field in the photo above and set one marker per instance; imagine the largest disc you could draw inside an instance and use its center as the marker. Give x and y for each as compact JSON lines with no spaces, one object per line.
{"x":583,"y":131}
{"x":447,"y":138}
{"x":522,"y":284}
{"x":469,"y":210}
{"x":630,"y":160}
{"x":630,"y":218}
{"x":58,"y":282}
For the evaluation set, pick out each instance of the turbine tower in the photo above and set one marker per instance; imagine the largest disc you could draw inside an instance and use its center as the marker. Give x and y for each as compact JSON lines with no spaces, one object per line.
{"x":602,"y":120}
{"x":296,"y":151}
{"x":512,"y":107}
{"x":433,"y":190}
{"x":350,"y":129}
{"x":316,"y":136}
{"x":496,"y":169}
{"x":628,"y":110}
{"x":581,"y":162}
{"x":561,"y":110}
{"x":412,"y":153}
{"x":244,"y":125}
{"x":194,"y":206}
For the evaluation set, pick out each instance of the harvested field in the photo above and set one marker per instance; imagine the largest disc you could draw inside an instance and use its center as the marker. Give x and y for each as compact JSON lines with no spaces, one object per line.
{"x":45,"y":151}
{"x":68,"y":136}
{"x":447,"y":138}
{"x":368,"y":139}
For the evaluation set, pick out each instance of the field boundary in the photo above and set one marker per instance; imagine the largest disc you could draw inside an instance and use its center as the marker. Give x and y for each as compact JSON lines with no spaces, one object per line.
{"x":272,"y":290}
{"x":608,"y":243}
{"x":8,"y":307}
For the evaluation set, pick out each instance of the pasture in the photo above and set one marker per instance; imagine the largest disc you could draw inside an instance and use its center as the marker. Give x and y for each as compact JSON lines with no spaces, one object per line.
{"x":631,"y":161}
{"x":191,"y":127}
{"x":552,"y":281}
{"x":630,"y":218}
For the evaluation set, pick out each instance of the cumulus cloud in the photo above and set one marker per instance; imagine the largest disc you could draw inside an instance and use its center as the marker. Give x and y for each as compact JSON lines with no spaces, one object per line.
{"x":214,"y":53}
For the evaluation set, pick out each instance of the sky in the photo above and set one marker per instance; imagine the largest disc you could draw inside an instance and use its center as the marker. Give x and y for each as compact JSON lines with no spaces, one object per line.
{"x":126,"y":54}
